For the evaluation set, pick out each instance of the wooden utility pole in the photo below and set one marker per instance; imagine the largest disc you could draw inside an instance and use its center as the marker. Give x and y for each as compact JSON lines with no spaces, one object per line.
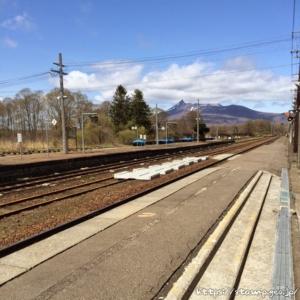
{"x":61,"y":73}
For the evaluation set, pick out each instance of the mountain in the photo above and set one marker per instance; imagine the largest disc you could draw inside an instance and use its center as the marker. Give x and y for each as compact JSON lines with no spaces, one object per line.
{"x":222,"y":114}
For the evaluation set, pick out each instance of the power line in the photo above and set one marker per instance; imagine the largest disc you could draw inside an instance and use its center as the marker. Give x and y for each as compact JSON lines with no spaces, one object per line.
{"x":122,"y":66}
{"x":215,"y":73}
{"x":293,"y":36}
{"x":182,"y":55}
{"x":47,"y":74}
{"x":24,"y":78}
{"x":29,"y":81}
{"x":44,"y":75}
{"x":294,"y":18}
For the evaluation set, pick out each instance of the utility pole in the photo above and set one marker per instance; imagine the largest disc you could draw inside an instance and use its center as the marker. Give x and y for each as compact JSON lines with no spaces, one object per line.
{"x":47,"y":136}
{"x":61,"y":73}
{"x":156,"y":125}
{"x":198,"y":116}
{"x":298,"y":118}
{"x":296,"y":108}
{"x":166,"y":132}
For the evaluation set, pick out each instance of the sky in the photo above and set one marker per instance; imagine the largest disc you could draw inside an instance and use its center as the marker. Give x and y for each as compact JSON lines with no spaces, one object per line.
{"x":221,"y":51}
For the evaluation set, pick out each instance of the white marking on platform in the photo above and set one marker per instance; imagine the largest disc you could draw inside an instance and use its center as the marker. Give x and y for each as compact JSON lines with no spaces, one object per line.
{"x":222,"y":156}
{"x":201,"y":191}
{"x":147,"y":215}
{"x":25,"y":259}
{"x":234,"y":157}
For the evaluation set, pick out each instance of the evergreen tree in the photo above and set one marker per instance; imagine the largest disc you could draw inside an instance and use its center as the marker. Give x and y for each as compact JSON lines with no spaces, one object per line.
{"x":119,"y":110}
{"x":140,"y":111}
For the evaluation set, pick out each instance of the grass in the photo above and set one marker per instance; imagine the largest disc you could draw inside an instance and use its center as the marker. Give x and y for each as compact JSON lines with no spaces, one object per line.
{"x":9,"y":146}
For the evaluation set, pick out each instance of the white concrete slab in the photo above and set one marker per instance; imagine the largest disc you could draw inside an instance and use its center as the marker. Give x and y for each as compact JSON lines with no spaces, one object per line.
{"x":157,"y":170}
{"x":182,"y":284}
{"x":23,"y":260}
{"x":222,"y":272}
{"x":261,"y":255}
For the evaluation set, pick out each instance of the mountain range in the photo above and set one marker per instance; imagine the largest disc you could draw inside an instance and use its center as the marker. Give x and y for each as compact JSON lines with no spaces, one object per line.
{"x":222,"y":114}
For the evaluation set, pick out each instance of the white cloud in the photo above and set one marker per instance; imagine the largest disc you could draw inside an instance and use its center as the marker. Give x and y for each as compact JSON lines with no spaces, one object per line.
{"x":22,"y":21}
{"x":237,"y":80}
{"x":9,"y":43}
{"x":105,"y":78}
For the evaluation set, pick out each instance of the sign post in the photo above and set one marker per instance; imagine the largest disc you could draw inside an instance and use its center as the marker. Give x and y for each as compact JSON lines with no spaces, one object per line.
{"x":20,"y":140}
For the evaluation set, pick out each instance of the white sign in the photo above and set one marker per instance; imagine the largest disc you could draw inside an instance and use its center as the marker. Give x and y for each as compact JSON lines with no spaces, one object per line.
{"x":54,"y":122}
{"x":141,"y":136}
{"x":144,"y":137}
{"x":19,"y":137}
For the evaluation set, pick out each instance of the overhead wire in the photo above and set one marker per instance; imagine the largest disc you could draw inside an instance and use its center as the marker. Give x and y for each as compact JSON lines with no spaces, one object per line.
{"x":227,"y":58}
{"x":45,"y":75}
{"x":181,"y":55}
{"x":38,"y":75}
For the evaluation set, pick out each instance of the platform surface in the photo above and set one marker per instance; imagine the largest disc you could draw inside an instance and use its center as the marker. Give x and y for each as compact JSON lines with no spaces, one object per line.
{"x":135,"y":257}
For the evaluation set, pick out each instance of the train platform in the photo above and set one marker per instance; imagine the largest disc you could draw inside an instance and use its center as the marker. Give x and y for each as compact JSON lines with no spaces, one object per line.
{"x":17,"y":159}
{"x":190,"y":236}
{"x":12,"y":167}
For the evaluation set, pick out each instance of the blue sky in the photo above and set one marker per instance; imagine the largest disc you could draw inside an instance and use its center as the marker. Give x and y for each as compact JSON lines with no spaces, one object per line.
{"x":32,"y":32}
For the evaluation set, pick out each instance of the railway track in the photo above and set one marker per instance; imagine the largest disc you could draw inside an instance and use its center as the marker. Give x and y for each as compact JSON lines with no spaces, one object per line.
{"x":18,"y":206}
{"x":69,"y":175}
{"x":59,"y":195}
{"x":29,"y":182}
{"x":12,"y":207}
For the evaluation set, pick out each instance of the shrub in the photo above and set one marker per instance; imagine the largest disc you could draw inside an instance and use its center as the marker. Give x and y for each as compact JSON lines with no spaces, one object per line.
{"x":126,"y":136}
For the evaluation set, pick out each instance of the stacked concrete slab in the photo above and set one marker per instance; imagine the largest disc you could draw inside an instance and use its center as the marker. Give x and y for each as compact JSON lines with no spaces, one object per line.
{"x":158,"y":170}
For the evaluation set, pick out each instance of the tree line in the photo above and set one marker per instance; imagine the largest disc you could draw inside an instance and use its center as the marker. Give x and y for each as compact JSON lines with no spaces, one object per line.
{"x":118,"y":121}
{"x":31,"y":113}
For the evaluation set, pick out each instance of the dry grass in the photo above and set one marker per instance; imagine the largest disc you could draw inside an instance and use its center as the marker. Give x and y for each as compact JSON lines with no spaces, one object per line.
{"x":13,"y":146}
